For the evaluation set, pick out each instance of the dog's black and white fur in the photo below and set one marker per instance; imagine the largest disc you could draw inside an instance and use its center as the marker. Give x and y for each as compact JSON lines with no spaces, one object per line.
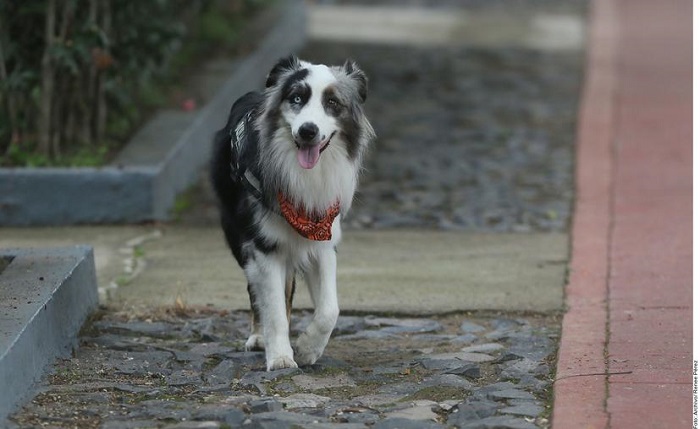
{"x":304,"y":137}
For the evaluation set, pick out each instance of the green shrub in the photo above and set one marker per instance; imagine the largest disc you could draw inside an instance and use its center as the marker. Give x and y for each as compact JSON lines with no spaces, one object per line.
{"x":76,"y":76}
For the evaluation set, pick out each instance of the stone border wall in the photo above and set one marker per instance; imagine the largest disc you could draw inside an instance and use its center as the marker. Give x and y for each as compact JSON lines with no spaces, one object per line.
{"x":45,"y":297}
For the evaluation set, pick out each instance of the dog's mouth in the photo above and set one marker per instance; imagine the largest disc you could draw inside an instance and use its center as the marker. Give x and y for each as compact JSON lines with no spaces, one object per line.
{"x":308,"y":155}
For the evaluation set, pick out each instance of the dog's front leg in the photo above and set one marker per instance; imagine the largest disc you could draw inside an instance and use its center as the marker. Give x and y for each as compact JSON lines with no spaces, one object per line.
{"x":266,"y":275}
{"x":321,"y":278}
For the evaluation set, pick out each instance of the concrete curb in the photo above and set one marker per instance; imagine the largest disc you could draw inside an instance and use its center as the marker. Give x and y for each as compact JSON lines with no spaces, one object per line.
{"x":580,"y":384}
{"x":45,"y":297}
{"x":132,"y":192}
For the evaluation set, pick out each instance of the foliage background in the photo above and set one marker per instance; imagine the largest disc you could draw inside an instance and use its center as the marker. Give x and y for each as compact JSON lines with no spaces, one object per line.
{"x":78,"y":76}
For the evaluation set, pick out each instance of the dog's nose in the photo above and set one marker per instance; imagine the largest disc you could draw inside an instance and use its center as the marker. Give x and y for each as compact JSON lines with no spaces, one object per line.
{"x":308,"y":131}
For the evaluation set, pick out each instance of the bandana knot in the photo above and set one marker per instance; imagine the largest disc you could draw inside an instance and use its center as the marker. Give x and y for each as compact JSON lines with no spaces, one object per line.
{"x":314,"y":228}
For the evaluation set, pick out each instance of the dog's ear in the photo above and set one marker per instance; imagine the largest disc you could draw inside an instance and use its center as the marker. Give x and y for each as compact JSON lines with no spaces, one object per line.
{"x":358,"y":76}
{"x":284,"y":64}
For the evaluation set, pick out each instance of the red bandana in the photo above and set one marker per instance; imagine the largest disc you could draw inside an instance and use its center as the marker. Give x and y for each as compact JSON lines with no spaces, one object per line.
{"x":318,"y":229}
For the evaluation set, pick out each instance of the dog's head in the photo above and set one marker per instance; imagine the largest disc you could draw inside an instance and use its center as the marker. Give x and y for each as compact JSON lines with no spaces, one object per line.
{"x":319,"y":104}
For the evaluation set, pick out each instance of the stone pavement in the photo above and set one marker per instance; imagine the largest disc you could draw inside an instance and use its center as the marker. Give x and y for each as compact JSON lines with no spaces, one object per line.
{"x":186,"y":369}
{"x":475,"y":156}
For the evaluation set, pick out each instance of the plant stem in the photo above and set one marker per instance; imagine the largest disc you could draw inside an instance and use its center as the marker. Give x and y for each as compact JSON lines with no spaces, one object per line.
{"x":47,"y":83}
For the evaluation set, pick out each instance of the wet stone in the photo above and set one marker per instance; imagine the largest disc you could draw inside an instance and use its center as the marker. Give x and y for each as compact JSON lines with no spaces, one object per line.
{"x":118,"y":342}
{"x":441,"y":364}
{"x":471,"y":371}
{"x":143,"y":363}
{"x":462,"y":357}
{"x":510,"y":394}
{"x":260,"y":378}
{"x":222,"y":373}
{"x":519,"y":368}
{"x":471,"y":411}
{"x":211,"y":350}
{"x":448,"y":380}
{"x":248,"y":359}
{"x":229,"y":416}
{"x":533,"y":384}
{"x":535,"y":347}
{"x":471,"y":328}
{"x":507,"y":324}
{"x":159,"y":409}
{"x":402,"y":423}
{"x":380,"y":399}
{"x":483,"y":348}
{"x":362,"y":417}
{"x":348,"y":325}
{"x":304,"y":400}
{"x":523,"y":409}
{"x":195,"y":425}
{"x":466,"y":338}
{"x":507,"y":357}
{"x":499,"y":422}
{"x":419,"y":410}
{"x":201,"y":329}
{"x":336,"y":426}
{"x":184,"y":377}
{"x":379,"y":334}
{"x":402,"y":326}
{"x":308,"y":382}
{"x":328,"y":362}
{"x":265,"y":405}
{"x":150,"y":329}
{"x":287,"y":417}
{"x":434,"y":338}
{"x":127,"y":424}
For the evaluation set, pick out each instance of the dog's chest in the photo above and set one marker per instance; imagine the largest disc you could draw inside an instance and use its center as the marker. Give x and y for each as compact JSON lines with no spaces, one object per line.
{"x":297,"y":250}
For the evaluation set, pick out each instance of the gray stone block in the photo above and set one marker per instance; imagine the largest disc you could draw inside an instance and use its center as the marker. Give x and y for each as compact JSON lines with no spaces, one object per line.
{"x":45,"y":296}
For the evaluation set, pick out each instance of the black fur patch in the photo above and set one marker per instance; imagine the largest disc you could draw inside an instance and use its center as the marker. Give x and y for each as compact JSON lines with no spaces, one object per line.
{"x":294,"y":85}
{"x":263,"y":245}
{"x":331,"y":104}
{"x":285,"y":64}
{"x":235,"y":208}
{"x":357,"y":75}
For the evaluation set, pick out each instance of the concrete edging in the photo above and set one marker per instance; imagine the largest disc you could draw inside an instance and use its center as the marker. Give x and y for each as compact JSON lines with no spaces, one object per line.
{"x":580,"y":383}
{"x":45,"y":298}
{"x":132,"y":192}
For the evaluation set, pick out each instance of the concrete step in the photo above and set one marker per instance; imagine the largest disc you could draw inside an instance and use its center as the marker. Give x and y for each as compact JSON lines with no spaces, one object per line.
{"x":45,"y":296}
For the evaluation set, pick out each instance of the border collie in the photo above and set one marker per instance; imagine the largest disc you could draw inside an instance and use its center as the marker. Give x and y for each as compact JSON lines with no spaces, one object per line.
{"x":284,"y":167}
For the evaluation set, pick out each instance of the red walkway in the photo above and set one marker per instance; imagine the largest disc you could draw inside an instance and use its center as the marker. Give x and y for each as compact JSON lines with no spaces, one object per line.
{"x":626,"y":353}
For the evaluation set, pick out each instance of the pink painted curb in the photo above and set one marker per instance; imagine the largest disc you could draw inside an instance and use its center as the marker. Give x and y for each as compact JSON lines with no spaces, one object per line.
{"x":579,"y":387}
{"x":625,"y":359}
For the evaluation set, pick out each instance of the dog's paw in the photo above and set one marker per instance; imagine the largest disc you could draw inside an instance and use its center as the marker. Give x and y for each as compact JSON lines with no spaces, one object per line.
{"x":281,"y":362}
{"x":255,"y":343}
{"x":307,"y":351}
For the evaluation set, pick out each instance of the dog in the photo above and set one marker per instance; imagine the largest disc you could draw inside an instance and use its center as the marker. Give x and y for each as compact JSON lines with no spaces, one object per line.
{"x":285,"y":169}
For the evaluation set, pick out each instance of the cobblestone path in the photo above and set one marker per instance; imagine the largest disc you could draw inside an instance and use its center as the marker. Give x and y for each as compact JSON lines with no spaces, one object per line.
{"x":190,"y":371}
{"x":468,"y":139}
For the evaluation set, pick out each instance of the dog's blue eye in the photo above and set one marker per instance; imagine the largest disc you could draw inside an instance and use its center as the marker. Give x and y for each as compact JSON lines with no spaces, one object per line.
{"x":296,"y":99}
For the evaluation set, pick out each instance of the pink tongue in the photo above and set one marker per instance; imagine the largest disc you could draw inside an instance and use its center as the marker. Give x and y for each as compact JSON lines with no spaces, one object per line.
{"x":308,"y":156}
